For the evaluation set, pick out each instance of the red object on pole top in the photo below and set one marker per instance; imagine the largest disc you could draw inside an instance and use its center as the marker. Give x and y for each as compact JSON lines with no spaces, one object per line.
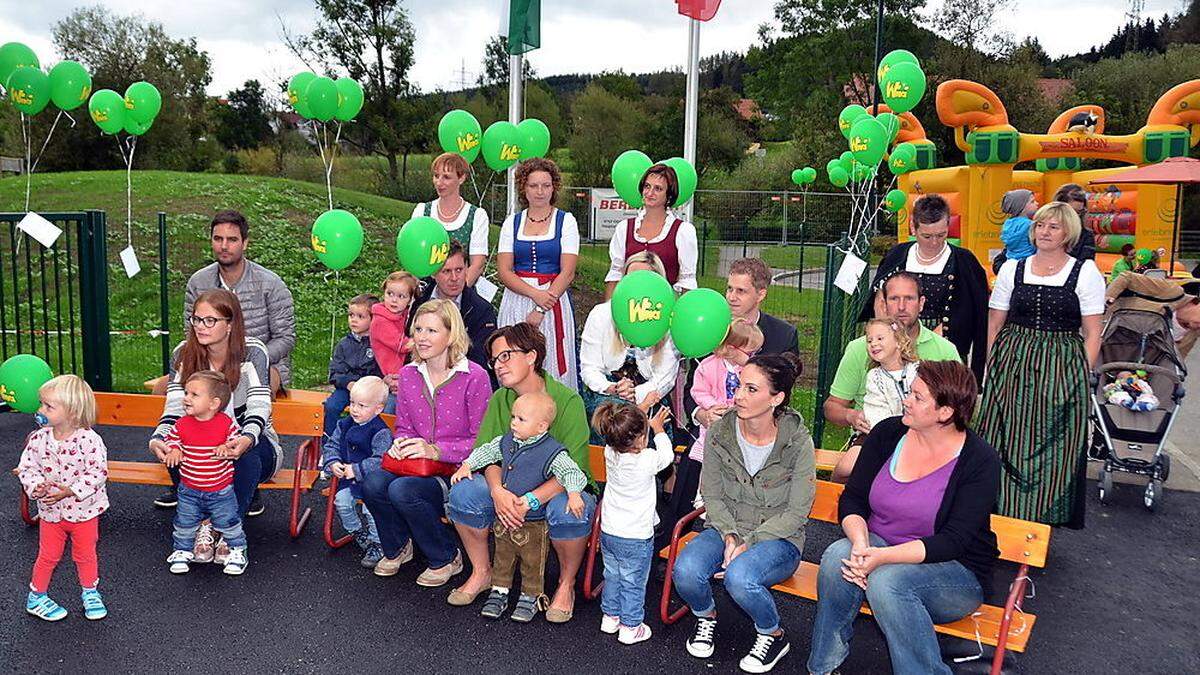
{"x":701,"y":10}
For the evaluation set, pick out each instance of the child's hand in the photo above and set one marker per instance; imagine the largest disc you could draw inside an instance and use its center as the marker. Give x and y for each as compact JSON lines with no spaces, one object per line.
{"x":159,"y":449}
{"x":575,"y":504}
{"x":338,"y":469}
{"x":173,"y":458}
{"x":348,"y":471}
{"x":57,"y":497}
{"x":40,"y":491}
{"x":463,"y":473}
{"x":659,"y":422}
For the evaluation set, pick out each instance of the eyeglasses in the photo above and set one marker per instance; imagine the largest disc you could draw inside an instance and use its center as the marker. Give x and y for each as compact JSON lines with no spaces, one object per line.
{"x":504,"y":356}
{"x":206,"y":321}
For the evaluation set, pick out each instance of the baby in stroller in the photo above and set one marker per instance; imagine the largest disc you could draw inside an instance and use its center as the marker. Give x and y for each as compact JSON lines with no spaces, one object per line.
{"x":1131,"y":390}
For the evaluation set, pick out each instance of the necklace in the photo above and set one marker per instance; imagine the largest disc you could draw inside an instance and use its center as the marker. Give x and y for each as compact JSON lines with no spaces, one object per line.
{"x":928,"y":261}
{"x":543,"y":218}
{"x":1048,"y":268}
{"x":451,"y":218}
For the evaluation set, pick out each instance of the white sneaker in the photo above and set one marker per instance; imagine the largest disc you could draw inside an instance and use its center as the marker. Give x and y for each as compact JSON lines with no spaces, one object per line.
{"x":610,"y":624}
{"x":202,"y":550}
{"x":632,"y":636}
{"x":179,"y":561}
{"x":236,"y":561}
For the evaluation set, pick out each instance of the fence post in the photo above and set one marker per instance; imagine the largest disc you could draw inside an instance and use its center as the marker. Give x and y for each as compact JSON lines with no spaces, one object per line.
{"x":163,"y":304}
{"x":93,"y":293}
{"x":824,"y":374}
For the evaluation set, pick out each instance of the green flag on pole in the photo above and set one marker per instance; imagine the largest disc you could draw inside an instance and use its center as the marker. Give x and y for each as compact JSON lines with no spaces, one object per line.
{"x":524,"y":29}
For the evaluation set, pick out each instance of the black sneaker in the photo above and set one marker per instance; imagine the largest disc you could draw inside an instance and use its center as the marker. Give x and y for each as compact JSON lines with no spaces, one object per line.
{"x":700,"y":645}
{"x":256,"y":505}
{"x":167,"y":500}
{"x":765,"y":653}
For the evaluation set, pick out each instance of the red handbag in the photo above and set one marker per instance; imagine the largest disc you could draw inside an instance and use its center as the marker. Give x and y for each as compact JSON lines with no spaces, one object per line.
{"x":422,"y":467}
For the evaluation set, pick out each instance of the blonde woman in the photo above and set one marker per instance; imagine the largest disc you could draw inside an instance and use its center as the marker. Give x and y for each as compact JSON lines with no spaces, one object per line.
{"x":464,"y":222}
{"x":441,"y":398}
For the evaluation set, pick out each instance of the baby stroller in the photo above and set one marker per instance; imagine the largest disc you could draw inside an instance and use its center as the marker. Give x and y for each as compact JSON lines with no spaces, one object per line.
{"x":1128,"y":440}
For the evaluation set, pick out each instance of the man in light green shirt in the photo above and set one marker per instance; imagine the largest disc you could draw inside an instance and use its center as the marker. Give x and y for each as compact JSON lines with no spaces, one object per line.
{"x":902,"y":302}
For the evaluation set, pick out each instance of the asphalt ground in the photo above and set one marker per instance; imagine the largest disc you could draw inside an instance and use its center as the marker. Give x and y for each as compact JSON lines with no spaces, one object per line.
{"x":1121,"y":596}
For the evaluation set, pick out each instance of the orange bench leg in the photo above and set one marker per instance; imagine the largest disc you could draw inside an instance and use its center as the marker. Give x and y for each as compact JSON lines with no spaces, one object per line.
{"x":664,"y":606}
{"x":329,"y":540}
{"x":27,"y":514}
{"x":589,"y":591}
{"x":296,"y":519}
{"x":1015,"y":595}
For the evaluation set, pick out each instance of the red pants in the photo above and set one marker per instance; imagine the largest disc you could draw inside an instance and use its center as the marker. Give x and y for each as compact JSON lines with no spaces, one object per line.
{"x":52,"y":539}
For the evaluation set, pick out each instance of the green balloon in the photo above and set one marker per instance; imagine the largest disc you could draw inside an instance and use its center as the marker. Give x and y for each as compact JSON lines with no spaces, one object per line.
{"x":839,"y":177}
{"x":298,"y":92}
{"x":894,"y":57}
{"x":627,"y":172}
{"x":809,"y":175}
{"x":502,"y":145}
{"x":29,"y":90}
{"x":831,"y":164}
{"x":107,"y":109}
{"x":459,"y":132}
{"x":534,"y":138}
{"x":849,"y":115}
{"x":641,"y":307}
{"x":322,"y":97}
{"x":350,"y":99}
{"x":337,"y":238}
{"x":20,"y":378}
{"x":798,"y":176}
{"x":861,"y":172}
{"x":899,"y":165}
{"x":868,"y":141}
{"x":846,"y":160}
{"x":891,"y":124}
{"x":685,"y":173}
{"x":13,"y":55}
{"x":422,"y":245}
{"x":895,"y":200}
{"x":700,"y":321}
{"x":70,"y":85}
{"x":903,"y":86}
{"x":136,"y":128}
{"x":142,"y":102}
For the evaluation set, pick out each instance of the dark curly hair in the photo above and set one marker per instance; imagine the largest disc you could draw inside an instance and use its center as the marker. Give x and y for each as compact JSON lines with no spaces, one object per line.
{"x":524,"y":169}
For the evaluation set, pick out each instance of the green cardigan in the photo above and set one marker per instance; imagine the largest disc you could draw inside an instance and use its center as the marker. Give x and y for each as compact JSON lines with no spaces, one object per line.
{"x":570,"y":426}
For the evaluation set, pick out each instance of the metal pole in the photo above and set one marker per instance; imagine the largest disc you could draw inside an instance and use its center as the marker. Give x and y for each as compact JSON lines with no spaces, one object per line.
{"x":164,"y":306}
{"x":516,"y":72}
{"x":691,"y":115}
{"x":873,"y":203}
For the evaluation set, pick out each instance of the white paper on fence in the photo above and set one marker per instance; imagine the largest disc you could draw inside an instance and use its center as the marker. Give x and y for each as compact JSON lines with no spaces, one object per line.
{"x":486,"y":289}
{"x":849,"y":273}
{"x":130,"y":261}
{"x":39,"y":228}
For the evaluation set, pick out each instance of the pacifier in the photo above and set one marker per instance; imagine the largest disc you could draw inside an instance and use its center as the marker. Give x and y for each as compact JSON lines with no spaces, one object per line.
{"x":41,"y":419}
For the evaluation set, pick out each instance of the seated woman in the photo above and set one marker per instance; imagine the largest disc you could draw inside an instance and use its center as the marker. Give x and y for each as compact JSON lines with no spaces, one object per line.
{"x":516,"y":355}
{"x":758,"y":486}
{"x":440,"y":400}
{"x":216,"y":340}
{"x":612,"y":369}
{"x":917,"y":516}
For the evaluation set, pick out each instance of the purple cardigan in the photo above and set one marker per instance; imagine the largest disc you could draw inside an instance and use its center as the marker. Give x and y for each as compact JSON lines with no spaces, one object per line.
{"x":451,"y":418}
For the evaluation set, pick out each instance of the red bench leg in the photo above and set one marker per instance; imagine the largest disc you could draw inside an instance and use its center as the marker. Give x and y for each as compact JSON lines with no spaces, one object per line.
{"x":1015,"y":595}
{"x":296,"y":519}
{"x":589,"y":591}
{"x":329,"y":540}
{"x":664,"y":607}
{"x":27,"y":515}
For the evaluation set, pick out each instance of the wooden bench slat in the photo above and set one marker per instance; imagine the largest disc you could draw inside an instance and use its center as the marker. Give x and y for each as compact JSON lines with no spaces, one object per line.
{"x":289,"y":418}
{"x":146,"y":473}
{"x":804,"y":584}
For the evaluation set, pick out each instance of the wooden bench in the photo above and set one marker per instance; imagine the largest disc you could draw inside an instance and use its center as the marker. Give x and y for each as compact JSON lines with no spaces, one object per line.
{"x":1021,"y":542}
{"x":142,"y":410}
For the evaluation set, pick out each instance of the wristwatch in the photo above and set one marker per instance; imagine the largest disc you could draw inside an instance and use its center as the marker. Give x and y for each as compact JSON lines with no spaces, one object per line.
{"x":532,"y":501}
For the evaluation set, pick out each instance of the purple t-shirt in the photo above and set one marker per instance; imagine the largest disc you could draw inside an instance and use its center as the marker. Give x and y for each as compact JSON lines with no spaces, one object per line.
{"x":902,"y":512}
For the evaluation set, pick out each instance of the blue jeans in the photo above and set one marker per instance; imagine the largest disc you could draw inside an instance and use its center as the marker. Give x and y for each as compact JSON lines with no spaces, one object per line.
{"x":748,"y":579}
{"x":219,"y":507}
{"x":347,"y":510}
{"x":471,"y":505}
{"x":626,"y":569}
{"x":410,"y":507}
{"x":906,"y":599}
{"x":255,"y":466}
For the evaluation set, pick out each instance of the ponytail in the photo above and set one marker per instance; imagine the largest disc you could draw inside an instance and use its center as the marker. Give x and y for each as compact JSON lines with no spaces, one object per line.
{"x":621,"y":425}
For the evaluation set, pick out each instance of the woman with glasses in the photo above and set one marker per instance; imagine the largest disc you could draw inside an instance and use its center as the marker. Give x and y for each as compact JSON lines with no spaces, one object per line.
{"x":216,"y":340}
{"x":440,"y":400}
{"x":612,"y":369}
{"x":516,"y":354}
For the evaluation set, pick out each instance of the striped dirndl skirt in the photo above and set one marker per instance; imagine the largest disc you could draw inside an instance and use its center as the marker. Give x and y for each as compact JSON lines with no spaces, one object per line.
{"x":1035,"y":413}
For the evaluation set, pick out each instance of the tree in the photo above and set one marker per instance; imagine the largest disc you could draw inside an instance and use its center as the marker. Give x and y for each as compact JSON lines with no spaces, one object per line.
{"x":812,"y":17}
{"x":496,"y":65}
{"x":722,"y":135}
{"x":243,"y":124}
{"x":605,"y":126}
{"x":971,"y":25}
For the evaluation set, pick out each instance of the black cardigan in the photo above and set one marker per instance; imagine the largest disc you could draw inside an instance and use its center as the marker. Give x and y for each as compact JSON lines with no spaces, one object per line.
{"x":962,"y":530}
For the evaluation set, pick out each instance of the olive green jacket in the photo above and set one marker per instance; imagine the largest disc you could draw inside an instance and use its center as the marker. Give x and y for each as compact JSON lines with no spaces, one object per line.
{"x":773,"y":503}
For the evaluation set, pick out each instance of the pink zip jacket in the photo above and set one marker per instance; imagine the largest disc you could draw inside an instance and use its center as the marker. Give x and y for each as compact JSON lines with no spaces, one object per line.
{"x":389,"y":340}
{"x":708,"y":389}
{"x":79,"y":463}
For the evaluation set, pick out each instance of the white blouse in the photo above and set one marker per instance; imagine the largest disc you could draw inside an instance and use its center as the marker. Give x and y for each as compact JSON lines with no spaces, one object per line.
{"x":479,"y":225}
{"x":1089,"y":288}
{"x":685,"y":242}
{"x":598,"y":358}
{"x":917,"y":267}
{"x":569,"y":240}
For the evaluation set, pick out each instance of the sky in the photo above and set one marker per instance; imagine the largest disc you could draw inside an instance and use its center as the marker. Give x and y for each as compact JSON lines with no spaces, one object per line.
{"x":243,"y":37}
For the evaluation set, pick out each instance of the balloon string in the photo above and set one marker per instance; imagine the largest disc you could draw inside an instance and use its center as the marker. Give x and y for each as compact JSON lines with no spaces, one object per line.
{"x":329,"y":169}
{"x":47,"y":141}
{"x":475,"y":185}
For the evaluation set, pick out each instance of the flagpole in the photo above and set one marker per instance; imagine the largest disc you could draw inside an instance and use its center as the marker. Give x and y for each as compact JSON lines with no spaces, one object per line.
{"x":693,"y":99}
{"x":516,"y":72}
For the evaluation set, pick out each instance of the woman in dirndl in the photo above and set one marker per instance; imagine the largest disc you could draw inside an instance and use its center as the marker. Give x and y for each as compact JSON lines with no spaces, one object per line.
{"x":1043,"y":338}
{"x":464,"y":222}
{"x":536,"y":257}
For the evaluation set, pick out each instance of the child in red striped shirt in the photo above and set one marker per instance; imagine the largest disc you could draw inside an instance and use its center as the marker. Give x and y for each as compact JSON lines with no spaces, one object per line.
{"x":199,"y":444}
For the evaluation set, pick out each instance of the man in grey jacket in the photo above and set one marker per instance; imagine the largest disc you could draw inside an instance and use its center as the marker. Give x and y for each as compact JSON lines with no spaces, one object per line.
{"x":266,"y":300}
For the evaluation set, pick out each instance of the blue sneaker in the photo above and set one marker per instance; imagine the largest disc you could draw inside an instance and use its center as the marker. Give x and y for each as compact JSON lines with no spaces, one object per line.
{"x":41,"y":606}
{"x":93,"y":605}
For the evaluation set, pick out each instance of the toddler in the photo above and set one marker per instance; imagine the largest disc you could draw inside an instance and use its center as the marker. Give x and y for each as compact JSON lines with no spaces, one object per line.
{"x":627,"y":515}
{"x":528,"y":456}
{"x":198,"y":444}
{"x":64,"y":468}
{"x":353,"y":450}
{"x":717,"y":376}
{"x":352,"y":359}
{"x":1019,"y":205}
{"x":389,"y":320}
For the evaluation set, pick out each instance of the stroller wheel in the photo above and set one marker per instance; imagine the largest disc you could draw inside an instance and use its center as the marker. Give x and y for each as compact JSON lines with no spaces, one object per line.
{"x":1106,"y":484}
{"x":1164,"y":467}
{"x":1153,"y":496}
